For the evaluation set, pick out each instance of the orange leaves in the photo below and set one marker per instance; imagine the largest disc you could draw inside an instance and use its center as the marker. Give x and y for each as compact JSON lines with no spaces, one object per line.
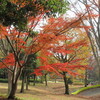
{"x":3,"y":31}
{"x":78,"y":44}
{"x":43,"y":38}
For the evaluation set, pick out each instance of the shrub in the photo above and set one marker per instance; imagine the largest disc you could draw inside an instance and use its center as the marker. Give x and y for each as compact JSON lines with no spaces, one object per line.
{"x":37,"y":81}
{"x":3,"y":80}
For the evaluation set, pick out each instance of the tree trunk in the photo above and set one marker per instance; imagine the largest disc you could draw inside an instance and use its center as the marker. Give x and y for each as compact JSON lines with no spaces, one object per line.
{"x":34,"y":79}
{"x":45,"y":77}
{"x":85,"y":80}
{"x":55,"y":80}
{"x":66,"y":83}
{"x":14,"y":80}
{"x":22,"y":85}
{"x":13,"y":91}
{"x":9,"y":81}
{"x":27,"y":83}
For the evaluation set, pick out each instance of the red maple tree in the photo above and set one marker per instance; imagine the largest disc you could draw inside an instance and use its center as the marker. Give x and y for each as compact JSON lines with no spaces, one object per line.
{"x":64,"y":49}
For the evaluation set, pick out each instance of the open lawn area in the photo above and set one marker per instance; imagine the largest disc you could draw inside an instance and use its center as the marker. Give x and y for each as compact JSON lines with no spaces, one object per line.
{"x":54,"y":91}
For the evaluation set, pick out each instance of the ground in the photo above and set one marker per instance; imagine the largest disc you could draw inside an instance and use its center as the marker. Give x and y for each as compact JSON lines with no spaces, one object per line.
{"x":93,"y":93}
{"x":54,"y":91}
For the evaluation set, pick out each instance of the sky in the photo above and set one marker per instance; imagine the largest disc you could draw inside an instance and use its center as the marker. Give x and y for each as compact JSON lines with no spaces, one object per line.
{"x":75,"y":7}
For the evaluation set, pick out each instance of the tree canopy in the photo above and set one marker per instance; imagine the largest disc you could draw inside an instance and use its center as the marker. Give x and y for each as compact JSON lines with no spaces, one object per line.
{"x":23,"y":9}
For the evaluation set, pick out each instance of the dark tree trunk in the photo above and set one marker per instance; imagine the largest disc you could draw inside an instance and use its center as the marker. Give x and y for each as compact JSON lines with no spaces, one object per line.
{"x":27,"y":82}
{"x":85,"y":80}
{"x":45,"y":77}
{"x":55,"y":80}
{"x":22,"y":85}
{"x":13,"y":91}
{"x":14,"y":80}
{"x":66,"y":83}
{"x":34,"y":77}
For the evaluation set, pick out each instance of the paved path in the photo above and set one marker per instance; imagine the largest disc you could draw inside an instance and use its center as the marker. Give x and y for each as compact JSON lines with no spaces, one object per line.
{"x":91,"y":92}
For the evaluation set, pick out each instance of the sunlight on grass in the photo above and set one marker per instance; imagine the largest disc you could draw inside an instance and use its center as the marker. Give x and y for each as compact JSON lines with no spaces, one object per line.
{"x":27,"y":97}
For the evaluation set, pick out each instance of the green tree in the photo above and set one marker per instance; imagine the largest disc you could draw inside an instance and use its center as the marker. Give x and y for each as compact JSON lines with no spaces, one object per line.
{"x":18,"y":16}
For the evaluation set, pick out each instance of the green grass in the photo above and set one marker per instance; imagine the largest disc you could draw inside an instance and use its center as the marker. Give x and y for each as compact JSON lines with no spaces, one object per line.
{"x":85,"y":88}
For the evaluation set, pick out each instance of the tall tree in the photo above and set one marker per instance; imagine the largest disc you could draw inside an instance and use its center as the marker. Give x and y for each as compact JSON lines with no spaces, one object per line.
{"x":91,"y":22}
{"x":31,"y":64}
{"x":23,"y":9}
{"x":15,"y":29}
{"x":70,"y":50}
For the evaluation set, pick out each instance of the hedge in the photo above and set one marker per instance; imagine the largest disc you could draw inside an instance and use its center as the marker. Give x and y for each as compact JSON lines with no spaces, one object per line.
{"x":3,"y":80}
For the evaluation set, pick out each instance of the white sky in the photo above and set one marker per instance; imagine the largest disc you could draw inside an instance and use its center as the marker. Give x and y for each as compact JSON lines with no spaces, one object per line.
{"x":77,"y":7}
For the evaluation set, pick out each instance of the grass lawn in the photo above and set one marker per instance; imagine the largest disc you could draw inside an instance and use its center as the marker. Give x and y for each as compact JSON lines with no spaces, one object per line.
{"x":54,"y":91}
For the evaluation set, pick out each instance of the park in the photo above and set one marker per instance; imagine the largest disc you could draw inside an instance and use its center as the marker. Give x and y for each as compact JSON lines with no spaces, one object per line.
{"x":49,"y":49}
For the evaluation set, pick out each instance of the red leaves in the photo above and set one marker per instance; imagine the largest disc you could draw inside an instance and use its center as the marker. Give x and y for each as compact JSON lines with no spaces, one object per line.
{"x":37,"y":72}
{"x":60,"y":67}
{"x":9,"y":60}
{"x":2,"y":65}
{"x":76,"y":60}
{"x":47,"y":68}
{"x":43,"y":60}
{"x":78,"y":44}
{"x":64,"y":52}
{"x":60,"y":45}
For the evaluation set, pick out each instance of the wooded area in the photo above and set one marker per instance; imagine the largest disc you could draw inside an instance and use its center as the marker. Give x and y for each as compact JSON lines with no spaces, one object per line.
{"x":43,"y":41}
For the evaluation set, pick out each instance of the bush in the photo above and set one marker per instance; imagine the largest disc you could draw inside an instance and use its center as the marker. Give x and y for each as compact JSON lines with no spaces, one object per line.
{"x":3,"y":80}
{"x":70,"y":81}
{"x":78,"y":82}
{"x":37,"y":81}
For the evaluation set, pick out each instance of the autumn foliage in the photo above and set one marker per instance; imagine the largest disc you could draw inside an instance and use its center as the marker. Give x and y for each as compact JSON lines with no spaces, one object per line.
{"x":62,"y":47}
{"x":51,"y":42}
